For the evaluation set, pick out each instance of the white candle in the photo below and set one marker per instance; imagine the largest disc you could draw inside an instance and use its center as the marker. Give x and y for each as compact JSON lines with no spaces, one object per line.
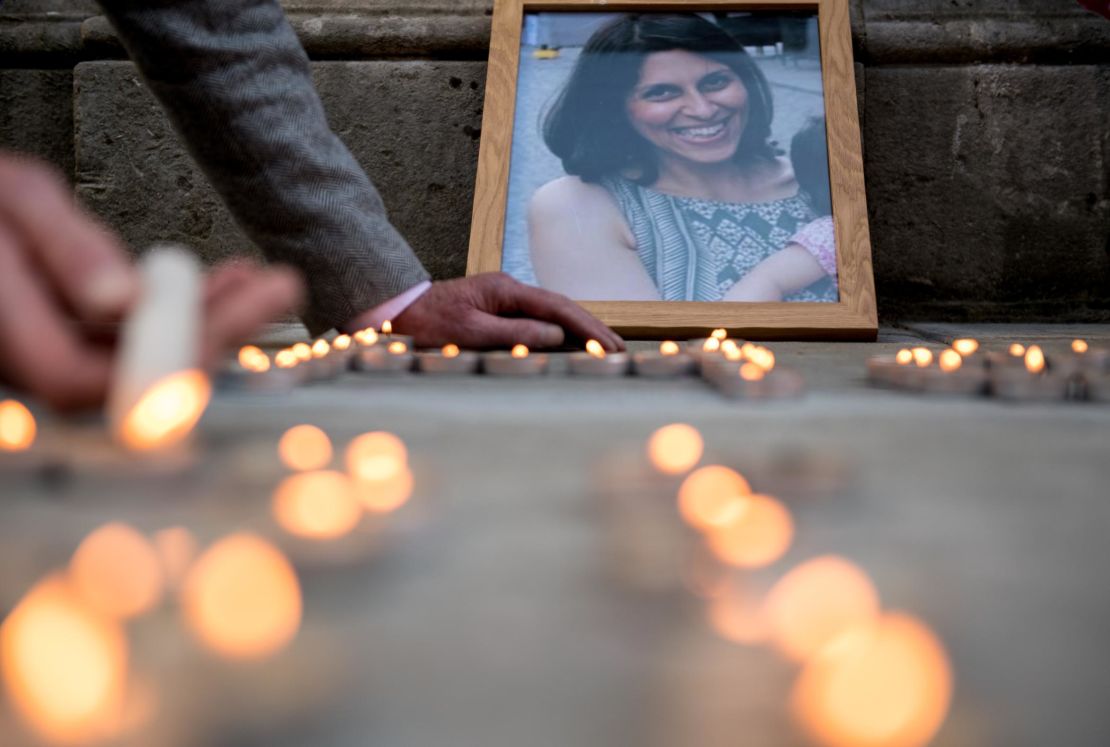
{"x":518,"y":362}
{"x":448,"y":360}
{"x":596,"y":362}
{"x":668,"y":362}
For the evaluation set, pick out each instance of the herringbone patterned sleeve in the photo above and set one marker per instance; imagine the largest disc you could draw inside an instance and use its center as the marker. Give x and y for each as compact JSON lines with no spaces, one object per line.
{"x":236,"y":83}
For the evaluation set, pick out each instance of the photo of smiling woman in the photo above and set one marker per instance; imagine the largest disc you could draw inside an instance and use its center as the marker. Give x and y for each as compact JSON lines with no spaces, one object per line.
{"x":674,"y":186}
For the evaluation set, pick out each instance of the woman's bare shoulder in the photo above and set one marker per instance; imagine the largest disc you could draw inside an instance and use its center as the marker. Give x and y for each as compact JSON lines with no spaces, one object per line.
{"x":568,"y":193}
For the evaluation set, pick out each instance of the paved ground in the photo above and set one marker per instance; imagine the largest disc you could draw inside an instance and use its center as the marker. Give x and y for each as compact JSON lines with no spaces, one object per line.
{"x":489,"y":616}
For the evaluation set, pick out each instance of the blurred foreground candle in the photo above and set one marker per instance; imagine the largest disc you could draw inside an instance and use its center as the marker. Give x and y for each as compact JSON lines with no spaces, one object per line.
{"x":305,"y":447}
{"x":675,"y":448}
{"x":596,"y":362}
{"x":378,"y":464}
{"x":17,"y":426}
{"x":736,"y":615}
{"x":242,"y":598}
{"x":65,"y":666}
{"x":448,"y":360}
{"x":880,"y":683}
{"x":387,"y":356}
{"x":518,"y":362}
{"x":711,"y":495}
{"x":755,"y":535}
{"x":317,"y":505}
{"x":668,"y":362}
{"x":158,"y":394}
{"x":117,"y":571}
{"x":1032,"y":382}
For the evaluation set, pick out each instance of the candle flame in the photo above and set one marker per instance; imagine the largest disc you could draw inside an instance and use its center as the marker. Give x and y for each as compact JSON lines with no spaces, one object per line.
{"x":397,"y":348}
{"x":117,"y":571}
{"x":342,"y":342}
{"x":520,"y":351}
{"x":711,"y":495}
{"x":950,"y":361}
{"x":1034,"y":359}
{"x":65,"y":665}
{"x":1079,"y":346}
{"x":751,"y":372}
{"x":366,"y":337}
{"x":376,"y":456}
{"x":923,"y":357}
{"x":381,"y":496}
{"x":285,"y":359}
{"x":816,"y":602}
{"x":167,"y":412}
{"x":17,"y":426}
{"x":253,"y":359}
{"x":242,"y":598}
{"x":304,"y":448}
{"x":675,"y":448}
{"x":904,"y":357}
{"x":1017,"y":350}
{"x":317,"y":505}
{"x":755,"y":537}
{"x":762,"y":357}
{"x":730,"y":347}
{"x":965,"y":346}
{"x":711,"y":345}
{"x":320,"y":349}
{"x":719,"y":334}
{"x":302,"y":351}
{"x":593,"y":347}
{"x":387,"y":327}
{"x":668,"y":347}
{"x":450,"y":351}
{"x":896,"y":661}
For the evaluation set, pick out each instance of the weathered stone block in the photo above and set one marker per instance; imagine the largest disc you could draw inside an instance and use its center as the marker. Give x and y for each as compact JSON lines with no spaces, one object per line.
{"x":36,"y":115}
{"x":413,"y":125}
{"x":988,"y":189}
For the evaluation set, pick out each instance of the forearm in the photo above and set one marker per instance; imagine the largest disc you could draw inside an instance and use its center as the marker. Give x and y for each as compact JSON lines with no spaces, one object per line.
{"x":786,"y":271}
{"x":236,"y":84}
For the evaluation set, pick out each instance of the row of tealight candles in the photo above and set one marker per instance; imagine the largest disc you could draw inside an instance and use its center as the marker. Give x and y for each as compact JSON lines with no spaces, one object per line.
{"x":702,"y":526}
{"x":1020,"y":373}
{"x":737,"y":368}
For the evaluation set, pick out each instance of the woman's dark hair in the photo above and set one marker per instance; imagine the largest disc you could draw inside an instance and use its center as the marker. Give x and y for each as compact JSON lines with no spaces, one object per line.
{"x":809,"y":154}
{"x":587,"y":126}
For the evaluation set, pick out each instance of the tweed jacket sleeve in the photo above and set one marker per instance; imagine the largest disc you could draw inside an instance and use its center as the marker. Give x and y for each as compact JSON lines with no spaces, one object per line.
{"x":236,"y":84}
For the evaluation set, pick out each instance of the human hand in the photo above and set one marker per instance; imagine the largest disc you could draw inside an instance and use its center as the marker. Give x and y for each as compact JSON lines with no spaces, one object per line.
{"x":65,"y":281}
{"x":494,"y":310}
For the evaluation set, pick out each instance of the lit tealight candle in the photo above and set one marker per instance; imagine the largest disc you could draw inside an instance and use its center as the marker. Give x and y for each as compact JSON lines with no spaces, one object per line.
{"x":1079,"y":347}
{"x":518,"y":362}
{"x":394,"y":355}
{"x":965,"y":346}
{"x":596,"y":362}
{"x":254,"y":371}
{"x":668,"y":362}
{"x":1031,"y":382}
{"x":758,"y":379}
{"x":448,"y":360}
{"x":952,"y":376}
{"x":17,"y":426}
{"x":719,"y":334}
{"x":889,"y":370}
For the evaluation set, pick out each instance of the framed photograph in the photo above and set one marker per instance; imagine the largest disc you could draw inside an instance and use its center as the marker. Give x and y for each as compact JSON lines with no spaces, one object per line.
{"x":678,"y":166}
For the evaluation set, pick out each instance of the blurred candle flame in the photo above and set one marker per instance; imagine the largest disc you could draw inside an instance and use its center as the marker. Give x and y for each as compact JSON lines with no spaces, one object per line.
{"x":730,"y":347}
{"x":450,"y":351}
{"x":376,"y":456}
{"x":253,"y":359}
{"x":65,"y":665}
{"x":816,"y":602}
{"x":286,"y":359}
{"x":762,"y":357}
{"x":320,"y":349}
{"x":317,"y":505}
{"x":711,"y":345}
{"x":341,"y":342}
{"x":965,"y":346}
{"x":904,"y":357}
{"x":17,"y":426}
{"x":366,"y":337}
{"x":302,"y":351}
{"x":387,"y":327}
{"x":519,"y":351}
{"x":755,"y":537}
{"x":387,"y":494}
{"x":719,"y":334}
{"x":735,"y":616}
{"x":305,"y":447}
{"x":888,"y":682}
{"x":949,"y":361}
{"x":1079,"y":346}
{"x":711,"y":495}
{"x":751,"y":372}
{"x":923,"y":357}
{"x":397,"y":348}
{"x":675,"y":448}
{"x":167,"y":412}
{"x":1017,"y":350}
{"x":242,"y":598}
{"x":117,"y":571}
{"x":176,"y":548}
{"x":1034,"y":359}
{"x":593,"y":347}
{"x":668,"y":347}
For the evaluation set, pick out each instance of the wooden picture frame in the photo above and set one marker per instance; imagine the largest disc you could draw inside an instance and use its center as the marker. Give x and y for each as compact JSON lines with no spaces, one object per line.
{"x":852,"y":317}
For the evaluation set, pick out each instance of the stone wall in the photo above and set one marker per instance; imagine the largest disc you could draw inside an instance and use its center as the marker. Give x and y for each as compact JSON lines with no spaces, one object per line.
{"x":985,"y":128}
